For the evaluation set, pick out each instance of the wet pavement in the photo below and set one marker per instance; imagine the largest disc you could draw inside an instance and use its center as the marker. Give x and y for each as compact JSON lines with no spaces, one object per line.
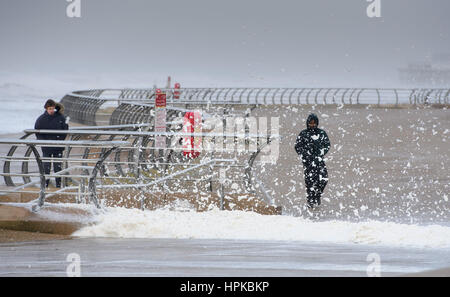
{"x":211,"y":258}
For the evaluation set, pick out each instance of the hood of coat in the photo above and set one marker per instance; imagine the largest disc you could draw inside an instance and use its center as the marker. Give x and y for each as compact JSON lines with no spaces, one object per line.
{"x":59,"y":111}
{"x":59,"y":108}
{"x":310,"y":118}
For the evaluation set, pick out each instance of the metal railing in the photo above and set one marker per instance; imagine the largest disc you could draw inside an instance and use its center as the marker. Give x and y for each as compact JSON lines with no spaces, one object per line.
{"x":114,"y":106}
{"x":141,"y":158}
{"x":107,"y":146}
{"x":67,"y":152}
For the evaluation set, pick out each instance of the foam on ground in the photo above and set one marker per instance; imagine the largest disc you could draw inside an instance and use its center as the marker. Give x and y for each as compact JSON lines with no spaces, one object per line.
{"x":216,"y":224}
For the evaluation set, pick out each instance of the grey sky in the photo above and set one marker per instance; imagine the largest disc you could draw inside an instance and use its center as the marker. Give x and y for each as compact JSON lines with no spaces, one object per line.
{"x":265,"y":42}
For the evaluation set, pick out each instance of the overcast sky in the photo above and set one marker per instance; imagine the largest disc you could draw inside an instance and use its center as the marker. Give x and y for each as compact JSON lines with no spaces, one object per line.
{"x":267,"y":43}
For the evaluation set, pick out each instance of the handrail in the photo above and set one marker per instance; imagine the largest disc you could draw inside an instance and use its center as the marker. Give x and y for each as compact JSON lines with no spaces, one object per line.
{"x":138,"y":133}
{"x":60,"y":143}
{"x":32,"y":144}
{"x":83,"y":106}
{"x":216,"y":93}
{"x":35,"y":182}
{"x":124,"y":134}
{"x":122,"y":186}
{"x":123,"y":126}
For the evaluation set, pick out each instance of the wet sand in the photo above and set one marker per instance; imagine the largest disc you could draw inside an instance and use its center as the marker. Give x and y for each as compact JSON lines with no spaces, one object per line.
{"x":384,"y":164}
{"x":8,"y":236}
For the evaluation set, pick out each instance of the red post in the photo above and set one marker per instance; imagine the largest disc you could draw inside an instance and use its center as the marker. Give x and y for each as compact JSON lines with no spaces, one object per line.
{"x":192,"y":145}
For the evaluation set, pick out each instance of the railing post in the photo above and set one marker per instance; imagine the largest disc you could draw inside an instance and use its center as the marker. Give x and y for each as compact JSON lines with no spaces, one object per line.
{"x":139,"y":168}
{"x":359,"y":93}
{"x":379,"y":97}
{"x":299,"y":95}
{"x":317,"y":94}
{"x":222,"y":180}
{"x":7,"y":164}
{"x":41,"y":176}
{"x":325,"y":96}
{"x":307,"y":96}
{"x":92,"y":179}
{"x":78,"y":199}
{"x":351,"y":96}
{"x":396,"y":97}
{"x":64,"y":181}
{"x":334,"y":95}
{"x":211,"y":169}
{"x":290,"y":95}
{"x":343,"y":96}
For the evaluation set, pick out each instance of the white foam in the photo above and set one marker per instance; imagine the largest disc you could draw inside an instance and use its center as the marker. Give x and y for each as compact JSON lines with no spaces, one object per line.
{"x":216,"y":224}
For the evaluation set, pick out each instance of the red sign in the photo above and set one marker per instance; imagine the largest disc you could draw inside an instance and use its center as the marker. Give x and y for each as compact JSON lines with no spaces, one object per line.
{"x":176,"y":92}
{"x":160,"y":100}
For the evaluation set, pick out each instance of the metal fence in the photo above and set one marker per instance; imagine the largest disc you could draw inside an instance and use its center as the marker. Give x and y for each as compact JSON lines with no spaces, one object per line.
{"x":135,"y":161}
{"x":107,"y":148}
{"x":114,"y":106}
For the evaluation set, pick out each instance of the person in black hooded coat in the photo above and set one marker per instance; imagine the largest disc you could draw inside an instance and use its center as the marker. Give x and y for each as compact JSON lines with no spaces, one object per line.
{"x":312,"y":145}
{"x":52,"y":119}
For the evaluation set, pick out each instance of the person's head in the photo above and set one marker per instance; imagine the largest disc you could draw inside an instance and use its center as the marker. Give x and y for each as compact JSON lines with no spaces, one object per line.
{"x":50,"y":106}
{"x":312,"y":121}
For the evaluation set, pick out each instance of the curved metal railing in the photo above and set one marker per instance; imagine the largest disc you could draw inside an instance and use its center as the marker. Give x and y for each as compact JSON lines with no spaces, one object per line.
{"x":124,"y":106}
{"x":107,"y":148}
{"x":140,"y":161}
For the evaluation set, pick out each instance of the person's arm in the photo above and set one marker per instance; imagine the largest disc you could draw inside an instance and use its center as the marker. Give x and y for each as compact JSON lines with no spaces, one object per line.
{"x":299,"y":145}
{"x":66,"y":124}
{"x":325,"y":144}
{"x":63,"y":126}
{"x":37,"y":126}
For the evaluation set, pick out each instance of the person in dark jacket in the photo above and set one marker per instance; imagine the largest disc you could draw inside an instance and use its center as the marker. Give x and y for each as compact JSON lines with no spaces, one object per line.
{"x":52,"y":119}
{"x":312,"y":145}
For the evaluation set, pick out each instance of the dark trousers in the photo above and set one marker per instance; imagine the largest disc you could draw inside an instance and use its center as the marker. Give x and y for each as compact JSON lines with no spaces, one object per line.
{"x":316,"y":179}
{"x":56,"y":165}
